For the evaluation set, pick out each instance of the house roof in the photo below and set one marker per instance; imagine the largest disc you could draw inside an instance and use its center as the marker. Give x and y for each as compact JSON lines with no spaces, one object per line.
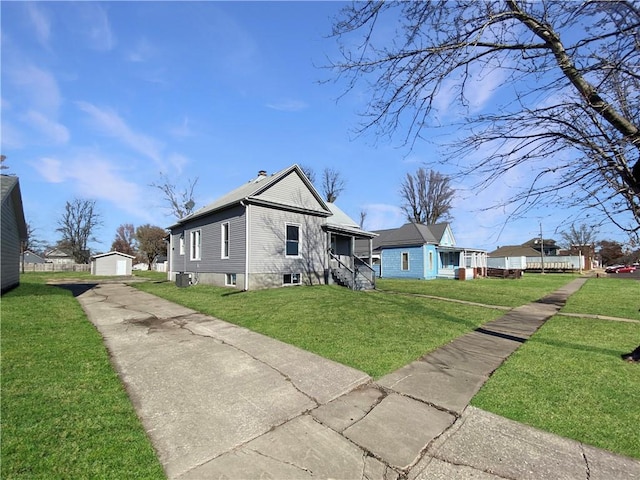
{"x":410,"y":234}
{"x":341,"y":222}
{"x":56,"y":252}
{"x":515,"y":251}
{"x":10,"y":188}
{"x":250,"y":190}
{"x":112,"y":253}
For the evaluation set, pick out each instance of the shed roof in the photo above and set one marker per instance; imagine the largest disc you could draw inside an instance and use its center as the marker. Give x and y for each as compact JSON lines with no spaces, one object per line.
{"x":112,"y":253}
{"x":410,"y":234}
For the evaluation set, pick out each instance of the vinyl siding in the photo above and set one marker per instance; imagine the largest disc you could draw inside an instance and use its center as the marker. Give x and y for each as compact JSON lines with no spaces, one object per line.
{"x":391,"y":259}
{"x":291,"y":190}
{"x":211,"y":244}
{"x":108,"y":265}
{"x":267,"y":245}
{"x":10,"y":252}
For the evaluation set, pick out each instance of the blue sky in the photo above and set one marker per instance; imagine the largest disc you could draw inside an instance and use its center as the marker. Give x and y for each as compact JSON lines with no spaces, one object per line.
{"x":99,"y":98}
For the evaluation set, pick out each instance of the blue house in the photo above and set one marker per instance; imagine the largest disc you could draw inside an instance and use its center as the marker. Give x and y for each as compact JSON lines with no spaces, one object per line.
{"x":424,"y":252}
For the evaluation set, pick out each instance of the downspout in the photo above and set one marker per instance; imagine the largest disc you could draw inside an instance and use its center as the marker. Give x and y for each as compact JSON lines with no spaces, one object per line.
{"x":170,"y":256}
{"x":247,"y":244}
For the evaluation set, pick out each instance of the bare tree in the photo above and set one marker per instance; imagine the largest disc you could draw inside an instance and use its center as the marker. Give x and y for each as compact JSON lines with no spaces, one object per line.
{"x":569,"y":101}
{"x":363,"y":218}
{"x":427,"y":196}
{"x":2,"y":165}
{"x":151,"y":242}
{"x":125,"y":241}
{"x":309,"y":173}
{"x":178,"y":201}
{"x":32,"y":242}
{"x":77,"y":226}
{"x":332,"y":184}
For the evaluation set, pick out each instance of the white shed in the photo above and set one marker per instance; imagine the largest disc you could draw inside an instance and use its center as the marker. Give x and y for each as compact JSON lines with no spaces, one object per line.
{"x":111,"y":263}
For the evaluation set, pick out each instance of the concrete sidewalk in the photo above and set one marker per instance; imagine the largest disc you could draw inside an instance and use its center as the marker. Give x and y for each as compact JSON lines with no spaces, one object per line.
{"x":220,"y":401}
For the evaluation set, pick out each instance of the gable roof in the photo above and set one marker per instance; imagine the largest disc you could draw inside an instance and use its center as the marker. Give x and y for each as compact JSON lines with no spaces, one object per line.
{"x":112,"y":253}
{"x":410,"y":234}
{"x":10,"y":188}
{"x":252,"y":189}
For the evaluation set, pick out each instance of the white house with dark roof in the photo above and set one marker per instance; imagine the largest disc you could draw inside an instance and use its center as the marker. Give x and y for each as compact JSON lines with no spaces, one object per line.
{"x":273,"y":231}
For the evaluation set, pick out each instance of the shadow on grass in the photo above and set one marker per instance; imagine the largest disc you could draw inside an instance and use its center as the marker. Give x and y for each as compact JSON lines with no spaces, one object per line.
{"x":76,"y":289}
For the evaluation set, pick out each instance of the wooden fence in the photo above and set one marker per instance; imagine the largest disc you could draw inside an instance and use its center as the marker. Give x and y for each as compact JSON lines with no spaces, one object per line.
{"x":56,"y":267}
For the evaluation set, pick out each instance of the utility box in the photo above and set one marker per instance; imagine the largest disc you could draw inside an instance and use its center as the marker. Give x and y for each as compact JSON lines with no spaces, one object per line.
{"x":183,"y":279}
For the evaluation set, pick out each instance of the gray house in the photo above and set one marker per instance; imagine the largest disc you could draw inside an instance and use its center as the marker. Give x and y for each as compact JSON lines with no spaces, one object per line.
{"x":111,"y":263}
{"x":273,"y":231}
{"x":14,"y":231}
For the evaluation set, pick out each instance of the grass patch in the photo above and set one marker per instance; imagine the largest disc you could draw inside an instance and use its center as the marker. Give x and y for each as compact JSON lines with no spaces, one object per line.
{"x":489,"y":291}
{"x":151,"y":275}
{"x":373,"y":332}
{"x":614,"y":297}
{"x":569,"y":379}
{"x":65,"y":413}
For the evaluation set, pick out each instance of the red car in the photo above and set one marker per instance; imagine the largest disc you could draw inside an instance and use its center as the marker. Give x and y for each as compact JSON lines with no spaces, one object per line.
{"x":625,"y":269}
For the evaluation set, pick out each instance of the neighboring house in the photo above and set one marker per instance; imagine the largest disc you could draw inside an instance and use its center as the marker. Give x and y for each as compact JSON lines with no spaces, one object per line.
{"x":424,"y":252}
{"x":525,"y":257}
{"x":14,"y":231}
{"x":29,"y":257}
{"x":111,"y":263}
{"x":547,"y":244}
{"x":275,"y":230}
{"x":59,"y":257}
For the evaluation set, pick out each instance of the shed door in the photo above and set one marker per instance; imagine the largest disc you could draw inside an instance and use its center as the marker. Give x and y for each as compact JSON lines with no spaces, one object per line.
{"x":121,"y":267}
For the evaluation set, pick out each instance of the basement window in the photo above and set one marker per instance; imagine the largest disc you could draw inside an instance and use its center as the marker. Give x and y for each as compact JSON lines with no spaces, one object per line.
{"x":291,"y":279}
{"x":230,"y":279}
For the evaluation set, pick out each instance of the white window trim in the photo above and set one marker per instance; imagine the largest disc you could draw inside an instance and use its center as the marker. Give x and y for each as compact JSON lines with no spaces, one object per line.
{"x":296,"y":275}
{"x":286,"y":239}
{"x":225,"y":228}
{"x":181,"y":243}
{"x":193,"y":255}
{"x":402,"y":254}
{"x":230,"y":279}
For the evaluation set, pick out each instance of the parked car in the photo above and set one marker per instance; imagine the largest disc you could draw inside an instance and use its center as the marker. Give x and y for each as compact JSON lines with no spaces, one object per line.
{"x":626,"y":269}
{"x":613,"y":268}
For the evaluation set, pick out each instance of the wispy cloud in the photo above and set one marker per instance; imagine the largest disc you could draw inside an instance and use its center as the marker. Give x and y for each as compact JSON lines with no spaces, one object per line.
{"x":93,"y":24}
{"x":141,"y":52}
{"x":288,"y":105}
{"x":382,"y":216}
{"x":92,"y":176}
{"x":111,"y":124}
{"x":38,"y":85}
{"x":52,"y":130}
{"x":41,"y":23}
{"x":183,"y":130}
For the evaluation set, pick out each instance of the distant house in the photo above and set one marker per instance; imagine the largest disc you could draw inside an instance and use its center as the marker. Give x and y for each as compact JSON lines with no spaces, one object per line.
{"x":14,"y":231}
{"x":59,"y":257}
{"x":111,"y":263}
{"x":273,"y":231}
{"x":29,"y":257}
{"x":528,"y":257}
{"x":424,"y":252}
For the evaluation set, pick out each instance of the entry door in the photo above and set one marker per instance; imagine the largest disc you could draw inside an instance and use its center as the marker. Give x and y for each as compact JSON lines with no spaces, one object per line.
{"x":121,"y":267}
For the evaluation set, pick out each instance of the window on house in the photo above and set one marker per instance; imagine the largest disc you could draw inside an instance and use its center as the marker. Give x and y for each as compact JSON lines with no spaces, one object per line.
{"x":293,"y":240}
{"x":195,"y":244}
{"x":405,"y":260}
{"x":225,"y":240}
{"x":182,"y":244}
{"x":430,"y":260}
{"x":291,"y":279}
{"x":230,"y":279}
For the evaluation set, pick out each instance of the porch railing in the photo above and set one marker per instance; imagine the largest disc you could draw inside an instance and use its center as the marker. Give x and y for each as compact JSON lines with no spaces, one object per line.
{"x":360,"y":277}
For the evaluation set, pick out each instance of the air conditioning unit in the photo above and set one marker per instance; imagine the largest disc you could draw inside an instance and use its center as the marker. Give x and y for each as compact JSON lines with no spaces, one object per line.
{"x":183,"y":279}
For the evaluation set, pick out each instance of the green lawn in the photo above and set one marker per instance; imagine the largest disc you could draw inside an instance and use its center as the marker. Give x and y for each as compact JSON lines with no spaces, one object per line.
{"x":65,"y":413}
{"x":489,"y":291}
{"x":569,"y":378}
{"x":373,"y":332}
